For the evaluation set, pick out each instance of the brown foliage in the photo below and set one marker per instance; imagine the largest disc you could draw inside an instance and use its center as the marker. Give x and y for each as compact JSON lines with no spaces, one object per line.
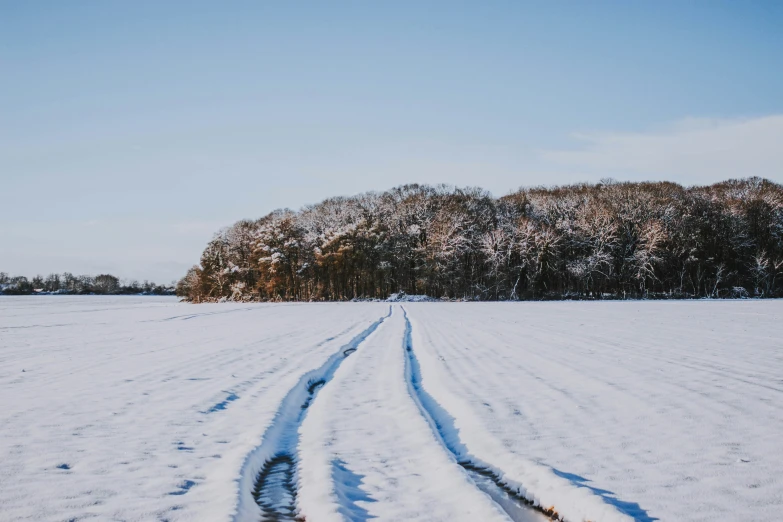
{"x":608,"y":240}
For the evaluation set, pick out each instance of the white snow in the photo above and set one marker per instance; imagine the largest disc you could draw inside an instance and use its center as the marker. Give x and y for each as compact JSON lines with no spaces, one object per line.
{"x":402,"y":297}
{"x":365,"y":427}
{"x":142,"y":408}
{"x":666,"y":410}
{"x":153,"y":405}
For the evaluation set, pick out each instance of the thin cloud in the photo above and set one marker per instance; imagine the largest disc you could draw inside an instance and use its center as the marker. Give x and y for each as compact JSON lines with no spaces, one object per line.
{"x":690,"y":151}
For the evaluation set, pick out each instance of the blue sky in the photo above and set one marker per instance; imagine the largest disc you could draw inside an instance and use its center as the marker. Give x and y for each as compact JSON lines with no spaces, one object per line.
{"x":131,"y":131}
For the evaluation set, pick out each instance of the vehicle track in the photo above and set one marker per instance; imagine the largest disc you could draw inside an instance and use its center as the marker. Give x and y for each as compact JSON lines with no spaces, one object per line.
{"x":268,"y":480}
{"x":518,"y":509}
{"x":275,"y":491}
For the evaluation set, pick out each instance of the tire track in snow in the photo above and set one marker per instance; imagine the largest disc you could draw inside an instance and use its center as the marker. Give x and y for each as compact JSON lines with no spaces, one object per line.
{"x":518,"y":508}
{"x":366,"y":452}
{"x":267,"y":485}
{"x":232,"y":394}
{"x":187,"y":317}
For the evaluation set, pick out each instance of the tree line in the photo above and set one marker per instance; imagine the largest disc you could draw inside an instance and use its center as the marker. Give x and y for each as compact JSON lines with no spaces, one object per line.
{"x":585,"y":241}
{"x":67,"y":283}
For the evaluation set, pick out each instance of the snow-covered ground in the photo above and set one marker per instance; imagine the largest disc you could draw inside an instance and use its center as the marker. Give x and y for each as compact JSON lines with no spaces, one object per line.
{"x":665,"y":410}
{"x":142,"y":408}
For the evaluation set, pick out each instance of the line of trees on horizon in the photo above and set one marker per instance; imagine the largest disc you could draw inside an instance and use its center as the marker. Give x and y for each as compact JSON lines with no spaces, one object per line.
{"x":67,"y":283}
{"x":585,"y":241}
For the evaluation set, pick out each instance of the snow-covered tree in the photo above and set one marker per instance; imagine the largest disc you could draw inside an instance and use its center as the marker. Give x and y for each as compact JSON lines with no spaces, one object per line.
{"x":609,"y":239}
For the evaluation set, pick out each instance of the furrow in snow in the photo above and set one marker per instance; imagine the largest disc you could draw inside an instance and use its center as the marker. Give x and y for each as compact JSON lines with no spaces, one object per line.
{"x":366,"y":452}
{"x":517,"y":507}
{"x":513,"y":482}
{"x":267,"y":485}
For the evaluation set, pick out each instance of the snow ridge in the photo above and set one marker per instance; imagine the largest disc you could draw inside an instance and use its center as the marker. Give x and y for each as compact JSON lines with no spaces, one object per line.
{"x":275,"y":456}
{"x":532,"y":483}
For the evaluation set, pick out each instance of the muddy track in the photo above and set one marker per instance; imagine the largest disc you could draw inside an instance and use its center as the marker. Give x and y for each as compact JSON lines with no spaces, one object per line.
{"x":518,"y":508}
{"x":275,"y":491}
{"x":268,"y":480}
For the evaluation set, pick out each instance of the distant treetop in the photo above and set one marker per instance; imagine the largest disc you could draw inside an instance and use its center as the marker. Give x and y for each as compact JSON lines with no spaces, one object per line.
{"x":584,"y":241}
{"x":68,"y":283}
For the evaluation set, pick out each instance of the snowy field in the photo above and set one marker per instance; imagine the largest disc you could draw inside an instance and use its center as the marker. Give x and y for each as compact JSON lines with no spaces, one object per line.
{"x":142,"y":408}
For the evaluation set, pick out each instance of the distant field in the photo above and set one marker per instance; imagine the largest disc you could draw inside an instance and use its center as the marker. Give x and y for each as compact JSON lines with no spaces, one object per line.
{"x":143,"y":408}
